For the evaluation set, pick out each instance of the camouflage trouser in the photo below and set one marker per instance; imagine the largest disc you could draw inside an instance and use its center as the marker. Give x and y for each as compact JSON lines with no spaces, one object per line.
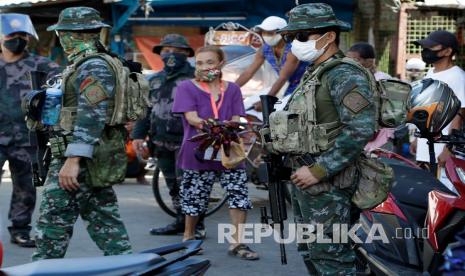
{"x":327,"y":208}
{"x":166,"y":160}
{"x":24,"y":194}
{"x":59,"y":210}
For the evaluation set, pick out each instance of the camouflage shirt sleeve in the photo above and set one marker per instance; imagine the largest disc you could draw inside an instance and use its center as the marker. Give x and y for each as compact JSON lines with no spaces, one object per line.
{"x":95,"y":83}
{"x":352,"y":96}
{"x":46,"y":65}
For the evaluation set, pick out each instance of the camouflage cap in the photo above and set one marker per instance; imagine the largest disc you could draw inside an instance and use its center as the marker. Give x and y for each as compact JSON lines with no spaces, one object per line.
{"x":173,"y":40}
{"x":313,"y":16}
{"x":78,"y":18}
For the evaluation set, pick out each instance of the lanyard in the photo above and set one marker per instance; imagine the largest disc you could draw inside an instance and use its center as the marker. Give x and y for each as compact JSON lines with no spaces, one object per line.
{"x":215,"y":107}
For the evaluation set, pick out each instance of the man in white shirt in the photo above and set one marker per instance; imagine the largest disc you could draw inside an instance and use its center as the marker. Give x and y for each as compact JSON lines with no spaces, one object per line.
{"x":438,"y":49}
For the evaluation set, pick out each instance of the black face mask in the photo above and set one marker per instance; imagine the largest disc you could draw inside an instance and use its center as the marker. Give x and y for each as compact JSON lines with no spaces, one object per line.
{"x":173,"y":62}
{"x":15,"y":45}
{"x":429,"y":56}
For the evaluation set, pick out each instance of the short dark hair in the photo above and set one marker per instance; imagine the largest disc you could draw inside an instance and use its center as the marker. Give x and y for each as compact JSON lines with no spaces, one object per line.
{"x":365,"y":50}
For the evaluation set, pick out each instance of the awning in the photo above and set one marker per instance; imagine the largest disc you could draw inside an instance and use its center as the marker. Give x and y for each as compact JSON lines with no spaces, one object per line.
{"x":28,"y":3}
{"x":454,"y":4}
{"x":209,"y":13}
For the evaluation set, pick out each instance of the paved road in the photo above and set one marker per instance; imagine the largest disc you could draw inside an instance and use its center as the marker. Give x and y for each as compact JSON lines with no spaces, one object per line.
{"x":140,"y":213}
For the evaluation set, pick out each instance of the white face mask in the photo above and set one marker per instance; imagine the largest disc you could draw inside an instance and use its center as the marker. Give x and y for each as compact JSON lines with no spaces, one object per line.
{"x":272,"y":40}
{"x":307,"y":51}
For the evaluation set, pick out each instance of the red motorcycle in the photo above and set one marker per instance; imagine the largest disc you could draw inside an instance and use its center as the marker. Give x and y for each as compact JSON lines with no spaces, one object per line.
{"x":421,"y":215}
{"x":420,"y":218}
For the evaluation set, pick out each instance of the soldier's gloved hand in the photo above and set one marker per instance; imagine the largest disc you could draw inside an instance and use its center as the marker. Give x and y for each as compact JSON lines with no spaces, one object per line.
{"x":67,"y":177}
{"x":303,"y":178}
{"x":138,"y":145}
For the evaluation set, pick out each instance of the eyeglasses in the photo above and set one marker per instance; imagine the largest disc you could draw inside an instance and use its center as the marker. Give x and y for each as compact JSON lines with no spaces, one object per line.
{"x":300,"y":36}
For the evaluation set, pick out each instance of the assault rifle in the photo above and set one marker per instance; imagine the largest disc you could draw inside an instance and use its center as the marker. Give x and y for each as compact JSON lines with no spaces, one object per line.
{"x":38,"y":138}
{"x":277,"y":177}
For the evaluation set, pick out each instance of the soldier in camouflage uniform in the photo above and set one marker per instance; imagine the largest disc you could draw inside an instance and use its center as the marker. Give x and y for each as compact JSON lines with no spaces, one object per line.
{"x":165,"y":129}
{"x":343,"y":106}
{"x":15,"y":65}
{"x":89,"y":90}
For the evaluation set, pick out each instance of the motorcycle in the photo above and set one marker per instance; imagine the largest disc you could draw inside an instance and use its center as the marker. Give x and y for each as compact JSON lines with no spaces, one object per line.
{"x":420,"y":216}
{"x":170,"y":260}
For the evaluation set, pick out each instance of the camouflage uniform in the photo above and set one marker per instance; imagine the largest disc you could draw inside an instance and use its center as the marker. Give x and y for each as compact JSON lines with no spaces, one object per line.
{"x":164,"y":128}
{"x":329,"y":201}
{"x":15,"y":146}
{"x":91,"y":88}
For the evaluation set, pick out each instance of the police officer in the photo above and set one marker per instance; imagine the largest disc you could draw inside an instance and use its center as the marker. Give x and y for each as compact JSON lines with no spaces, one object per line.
{"x":165,"y":129}
{"x":335,"y":129}
{"x":89,"y":86}
{"x":15,"y":63}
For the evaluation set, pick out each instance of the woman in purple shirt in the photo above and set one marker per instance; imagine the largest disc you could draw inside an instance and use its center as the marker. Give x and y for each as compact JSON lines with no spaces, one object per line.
{"x":208,"y":96}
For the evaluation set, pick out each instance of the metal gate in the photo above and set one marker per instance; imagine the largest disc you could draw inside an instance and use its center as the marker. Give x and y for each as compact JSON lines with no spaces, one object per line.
{"x":421,"y":22}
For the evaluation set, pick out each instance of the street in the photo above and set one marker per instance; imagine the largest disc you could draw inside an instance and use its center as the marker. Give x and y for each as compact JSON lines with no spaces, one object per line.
{"x":140,"y":213}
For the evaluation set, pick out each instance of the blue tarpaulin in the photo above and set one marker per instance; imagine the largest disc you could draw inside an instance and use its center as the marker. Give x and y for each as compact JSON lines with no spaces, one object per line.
{"x":213,"y":12}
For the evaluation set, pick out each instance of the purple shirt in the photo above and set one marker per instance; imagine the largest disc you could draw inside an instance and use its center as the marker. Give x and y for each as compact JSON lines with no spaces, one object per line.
{"x":189,"y":97}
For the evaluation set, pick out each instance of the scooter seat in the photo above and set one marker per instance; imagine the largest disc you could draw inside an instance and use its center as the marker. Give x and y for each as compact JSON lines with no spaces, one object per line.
{"x":413,"y":185}
{"x":103,"y":265}
{"x":411,"y":189}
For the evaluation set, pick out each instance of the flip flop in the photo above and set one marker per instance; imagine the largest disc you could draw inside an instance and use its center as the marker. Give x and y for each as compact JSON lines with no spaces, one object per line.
{"x":244,"y":252}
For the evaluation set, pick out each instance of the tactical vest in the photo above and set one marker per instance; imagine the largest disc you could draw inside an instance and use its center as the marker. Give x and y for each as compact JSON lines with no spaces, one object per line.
{"x":296,"y":130}
{"x":129,"y":103}
{"x":69,"y":103}
{"x":109,"y":161}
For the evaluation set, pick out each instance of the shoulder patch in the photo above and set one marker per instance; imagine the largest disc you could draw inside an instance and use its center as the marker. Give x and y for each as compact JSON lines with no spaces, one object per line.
{"x":93,"y":92}
{"x":355,"y":102}
{"x":84,"y":84}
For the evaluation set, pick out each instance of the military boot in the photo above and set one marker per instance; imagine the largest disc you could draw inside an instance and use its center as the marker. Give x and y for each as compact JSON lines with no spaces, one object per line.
{"x":20,"y":236}
{"x":176,"y":227}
